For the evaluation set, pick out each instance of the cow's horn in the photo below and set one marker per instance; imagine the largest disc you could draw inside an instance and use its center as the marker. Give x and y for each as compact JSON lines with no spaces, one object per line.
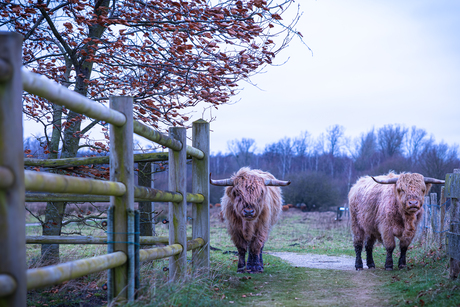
{"x":276,"y":183}
{"x":433,"y":180}
{"x":386,"y":181}
{"x":221,"y":182}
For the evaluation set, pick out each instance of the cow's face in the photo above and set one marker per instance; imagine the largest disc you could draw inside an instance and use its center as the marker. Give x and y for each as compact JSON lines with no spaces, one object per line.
{"x":247,"y":196}
{"x":410,"y":191}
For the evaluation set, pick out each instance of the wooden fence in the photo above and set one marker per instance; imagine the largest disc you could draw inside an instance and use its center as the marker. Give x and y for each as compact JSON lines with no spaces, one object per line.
{"x":122,"y":255}
{"x":453,"y":235}
{"x":440,"y":225}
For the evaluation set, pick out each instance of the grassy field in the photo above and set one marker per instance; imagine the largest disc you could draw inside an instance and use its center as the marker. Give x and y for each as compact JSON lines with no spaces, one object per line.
{"x":424,"y":283}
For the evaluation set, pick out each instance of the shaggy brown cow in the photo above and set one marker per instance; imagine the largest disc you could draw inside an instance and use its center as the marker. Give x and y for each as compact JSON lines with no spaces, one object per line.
{"x":386,"y":207}
{"x":251,"y":205}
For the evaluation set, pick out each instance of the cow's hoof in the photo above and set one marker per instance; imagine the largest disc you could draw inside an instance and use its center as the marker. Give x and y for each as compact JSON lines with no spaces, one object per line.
{"x":402,"y":266}
{"x":242,"y":270}
{"x":388,"y":268}
{"x":359,"y":269}
{"x":371,"y":266}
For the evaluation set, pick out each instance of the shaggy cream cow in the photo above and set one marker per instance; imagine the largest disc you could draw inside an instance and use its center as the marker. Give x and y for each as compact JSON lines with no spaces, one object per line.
{"x":386,"y":207}
{"x":251,"y":205}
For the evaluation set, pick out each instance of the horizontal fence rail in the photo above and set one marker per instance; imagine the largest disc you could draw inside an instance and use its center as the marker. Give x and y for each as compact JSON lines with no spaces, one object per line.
{"x":58,"y":94}
{"x":47,"y":182}
{"x":7,"y":285}
{"x":6,"y":177}
{"x":168,"y":251}
{"x":164,"y":140}
{"x":51,"y":275}
{"x":140,"y":194}
{"x":72,"y":162}
{"x":90,"y":240}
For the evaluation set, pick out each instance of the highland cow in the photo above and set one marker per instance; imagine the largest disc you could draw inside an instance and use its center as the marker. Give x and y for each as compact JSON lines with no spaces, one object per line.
{"x":386,"y":207}
{"x":251,"y":205}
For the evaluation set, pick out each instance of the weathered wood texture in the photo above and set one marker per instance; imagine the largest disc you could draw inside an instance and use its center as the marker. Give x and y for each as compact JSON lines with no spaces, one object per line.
{"x":164,"y":140}
{"x":140,"y":194}
{"x":122,"y":171}
{"x":178,"y":210}
{"x":12,"y":212}
{"x":170,"y":250}
{"x":54,"y":183}
{"x":434,"y":217}
{"x":6,"y":178}
{"x":46,"y":88}
{"x":200,"y":185}
{"x":453,"y":238}
{"x":7,"y":285}
{"x":90,"y":240}
{"x":442,"y":235}
{"x":54,"y":274}
{"x":72,"y":162}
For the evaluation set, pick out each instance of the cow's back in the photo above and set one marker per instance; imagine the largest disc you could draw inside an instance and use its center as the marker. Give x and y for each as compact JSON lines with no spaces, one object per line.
{"x":369,"y":203}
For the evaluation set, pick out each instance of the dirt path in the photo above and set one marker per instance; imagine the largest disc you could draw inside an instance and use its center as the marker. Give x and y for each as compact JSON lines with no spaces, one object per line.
{"x":333,"y":281}
{"x":317,"y":261}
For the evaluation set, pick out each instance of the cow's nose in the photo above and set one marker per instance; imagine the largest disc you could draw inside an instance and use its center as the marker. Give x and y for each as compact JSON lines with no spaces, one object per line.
{"x":248,"y":212}
{"x":413,"y":203}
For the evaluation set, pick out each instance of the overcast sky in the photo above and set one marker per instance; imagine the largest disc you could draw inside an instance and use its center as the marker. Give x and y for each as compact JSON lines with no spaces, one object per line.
{"x":374,"y":63}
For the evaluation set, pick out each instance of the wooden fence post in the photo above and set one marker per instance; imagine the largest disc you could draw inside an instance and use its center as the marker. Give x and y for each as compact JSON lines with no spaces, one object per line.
{"x":122,"y":170}
{"x":426,"y":219}
{"x":178,"y":211}
{"x":453,"y":237}
{"x":434,"y":217}
{"x":12,"y":196}
{"x":442,"y":235}
{"x":200,"y":185}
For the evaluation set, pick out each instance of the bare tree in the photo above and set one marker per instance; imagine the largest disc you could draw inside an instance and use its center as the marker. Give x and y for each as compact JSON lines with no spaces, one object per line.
{"x":390,"y":140}
{"x":415,"y":141}
{"x":243,"y":150}
{"x":334,"y":137}
{"x":300,"y":146}
{"x":367,"y":156}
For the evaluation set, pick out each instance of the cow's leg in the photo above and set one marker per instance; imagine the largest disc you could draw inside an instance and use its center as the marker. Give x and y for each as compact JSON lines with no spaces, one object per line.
{"x":358,"y":240}
{"x":255,"y":252}
{"x":256,"y":265}
{"x":251,"y":260}
{"x":242,"y":260}
{"x":369,"y":247}
{"x":402,"y":259}
{"x":359,"y":260}
{"x":242,"y":247}
{"x":389,"y":243}
{"x":403,"y":245}
{"x":260,"y":257}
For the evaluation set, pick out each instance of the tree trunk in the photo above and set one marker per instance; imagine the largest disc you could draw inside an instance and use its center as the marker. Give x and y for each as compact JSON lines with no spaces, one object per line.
{"x":54,"y":212}
{"x":146,"y":208}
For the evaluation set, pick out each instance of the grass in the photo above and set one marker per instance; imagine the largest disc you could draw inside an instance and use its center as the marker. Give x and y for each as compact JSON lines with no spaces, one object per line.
{"x":424,"y":283}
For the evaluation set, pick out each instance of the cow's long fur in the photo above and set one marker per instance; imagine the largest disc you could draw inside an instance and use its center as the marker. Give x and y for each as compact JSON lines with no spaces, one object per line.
{"x":249,"y":191}
{"x":385,"y":211}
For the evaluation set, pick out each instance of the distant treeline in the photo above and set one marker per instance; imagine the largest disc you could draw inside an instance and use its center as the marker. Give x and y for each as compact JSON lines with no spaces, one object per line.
{"x":323,"y":169}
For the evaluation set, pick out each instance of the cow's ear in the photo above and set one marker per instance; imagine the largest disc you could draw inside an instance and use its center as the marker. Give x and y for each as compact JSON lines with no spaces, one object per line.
{"x":428,"y":187}
{"x":228,"y":191}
